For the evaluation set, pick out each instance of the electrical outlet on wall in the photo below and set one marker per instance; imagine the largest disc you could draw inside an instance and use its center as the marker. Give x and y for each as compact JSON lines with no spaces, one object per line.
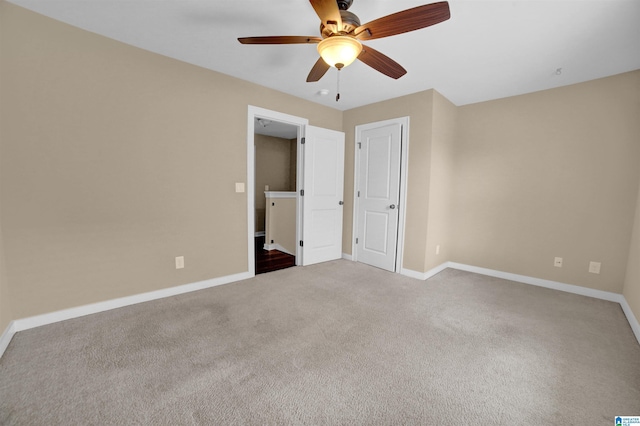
{"x":438,"y":249}
{"x":179,"y":262}
{"x":557,"y":262}
{"x":594,"y":267}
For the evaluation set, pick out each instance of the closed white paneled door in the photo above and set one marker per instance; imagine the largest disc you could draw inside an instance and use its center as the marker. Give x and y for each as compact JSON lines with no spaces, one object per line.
{"x":378,"y":195}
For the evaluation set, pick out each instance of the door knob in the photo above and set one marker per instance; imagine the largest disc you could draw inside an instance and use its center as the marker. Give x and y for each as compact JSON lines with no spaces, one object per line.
{"x":392,"y":206}
{"x":340,"y":202}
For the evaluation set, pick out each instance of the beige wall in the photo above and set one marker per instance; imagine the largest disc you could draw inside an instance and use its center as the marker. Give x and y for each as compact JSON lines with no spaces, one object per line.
{"x":293,"y":164}
{"x":418,"y":107}
{"x":281,"y":223}
{"x":5,"y":305}
{"x":552,"y":173}
{"x":632,"y":279}
{"x":439,"y":223}
{"x":273,"y":168}
{"x":114,"y":161}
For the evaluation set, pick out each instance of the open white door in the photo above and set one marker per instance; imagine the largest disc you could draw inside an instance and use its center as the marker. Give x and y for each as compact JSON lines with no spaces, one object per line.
{"x":323,"y":187}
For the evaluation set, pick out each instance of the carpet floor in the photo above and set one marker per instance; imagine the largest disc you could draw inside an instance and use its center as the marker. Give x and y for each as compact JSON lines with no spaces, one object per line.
{"x":335,"y":343}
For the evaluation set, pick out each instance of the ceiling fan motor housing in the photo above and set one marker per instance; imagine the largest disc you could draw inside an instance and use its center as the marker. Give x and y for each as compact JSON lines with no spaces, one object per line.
{"x":349,"y":23}
{"x":344,"y":4}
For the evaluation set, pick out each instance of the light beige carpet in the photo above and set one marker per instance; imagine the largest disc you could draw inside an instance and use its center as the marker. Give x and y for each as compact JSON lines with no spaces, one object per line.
{"x":336,"y":343}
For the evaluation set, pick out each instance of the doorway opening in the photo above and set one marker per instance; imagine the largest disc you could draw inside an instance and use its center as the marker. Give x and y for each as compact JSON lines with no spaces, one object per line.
{"x":276,"y":158}
{"x":274,"y":209}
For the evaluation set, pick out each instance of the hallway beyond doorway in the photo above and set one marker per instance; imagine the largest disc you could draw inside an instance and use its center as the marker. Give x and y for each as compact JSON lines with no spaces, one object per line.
{"x":271,"y":260}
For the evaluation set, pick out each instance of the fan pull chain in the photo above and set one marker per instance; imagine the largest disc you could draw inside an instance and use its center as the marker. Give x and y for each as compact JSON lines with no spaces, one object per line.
{"x":338,"y":87}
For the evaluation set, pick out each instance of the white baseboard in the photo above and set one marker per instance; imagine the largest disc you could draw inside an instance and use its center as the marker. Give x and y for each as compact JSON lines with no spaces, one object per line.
{"x":278,"y":247}
{"x":569,"y":288}
{"x":282,"y":249}
{"x":6,"y":337}
{"x":79,"y":311}
{"x":424,"y":275}
{"x":633,"y":321}
{"x":38,"y":320}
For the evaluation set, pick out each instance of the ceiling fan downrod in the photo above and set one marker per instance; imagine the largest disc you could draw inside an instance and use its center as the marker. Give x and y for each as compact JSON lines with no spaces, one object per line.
{"x":338,"y":86}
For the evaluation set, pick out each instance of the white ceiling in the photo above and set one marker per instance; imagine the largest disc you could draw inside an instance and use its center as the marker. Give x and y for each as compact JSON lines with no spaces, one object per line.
{"x":487,"y":50}
{"x":274,"y":128}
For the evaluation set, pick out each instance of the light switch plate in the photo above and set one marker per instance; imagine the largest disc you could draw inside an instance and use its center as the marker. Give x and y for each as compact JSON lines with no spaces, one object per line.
{"x":239,"y":186}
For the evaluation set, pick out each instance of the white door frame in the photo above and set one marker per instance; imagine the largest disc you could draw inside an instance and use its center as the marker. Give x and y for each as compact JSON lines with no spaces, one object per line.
{"x":402,"y":204}
{"x":253,"y":113}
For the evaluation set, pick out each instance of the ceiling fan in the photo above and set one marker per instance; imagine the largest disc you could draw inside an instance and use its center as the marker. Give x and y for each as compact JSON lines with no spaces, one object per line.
{"x":341,"y":33}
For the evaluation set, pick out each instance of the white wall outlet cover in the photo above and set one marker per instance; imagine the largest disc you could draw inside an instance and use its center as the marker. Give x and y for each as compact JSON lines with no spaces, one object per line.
{"x":239,"y":186}
{"x":438,"y":249}
{"x":594,"y":267}
{"x":179,"y":262}
{"x":557,"y":262}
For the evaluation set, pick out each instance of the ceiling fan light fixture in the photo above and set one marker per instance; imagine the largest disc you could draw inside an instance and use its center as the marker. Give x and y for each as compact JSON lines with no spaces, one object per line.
{"x":339,"y":51}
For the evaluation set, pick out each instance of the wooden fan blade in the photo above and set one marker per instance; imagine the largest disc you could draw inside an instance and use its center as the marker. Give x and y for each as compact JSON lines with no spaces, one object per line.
{"x":319,"y":69}
{"x":381,"y":62}
{"x":405,"y":21}
{"x":279,"y":40}
{"x":328,"y":12}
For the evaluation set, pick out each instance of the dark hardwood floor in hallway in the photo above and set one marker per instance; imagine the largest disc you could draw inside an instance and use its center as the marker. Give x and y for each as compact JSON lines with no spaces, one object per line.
{"x":271,"y":260}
